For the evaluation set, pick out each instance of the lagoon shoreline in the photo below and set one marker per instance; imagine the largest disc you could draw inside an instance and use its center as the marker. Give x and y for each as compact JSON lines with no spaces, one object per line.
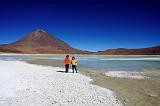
{"x":130,"y":91}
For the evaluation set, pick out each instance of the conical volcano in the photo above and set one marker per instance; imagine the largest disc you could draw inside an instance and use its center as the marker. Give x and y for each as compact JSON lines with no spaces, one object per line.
{"x":40,"y":38}
{"x":40,"y":41}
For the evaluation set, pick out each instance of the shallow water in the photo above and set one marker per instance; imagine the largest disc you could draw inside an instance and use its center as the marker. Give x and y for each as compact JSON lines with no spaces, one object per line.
{"x":104,"y":63}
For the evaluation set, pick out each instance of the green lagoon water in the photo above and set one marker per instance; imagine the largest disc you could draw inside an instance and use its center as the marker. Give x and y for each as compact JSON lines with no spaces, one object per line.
{"x":105,"y":63}
{"x":102,"y":63}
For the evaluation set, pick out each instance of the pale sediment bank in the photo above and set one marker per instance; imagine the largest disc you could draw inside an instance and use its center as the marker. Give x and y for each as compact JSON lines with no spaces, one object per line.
{"x":126,"y":74}
{"x":24,"y":84}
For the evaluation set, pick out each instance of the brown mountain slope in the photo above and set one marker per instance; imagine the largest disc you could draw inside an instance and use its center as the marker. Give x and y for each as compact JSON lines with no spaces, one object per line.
{"x":8,"y":50}
{"x":40,"y":41}
{"x":140,"y":51}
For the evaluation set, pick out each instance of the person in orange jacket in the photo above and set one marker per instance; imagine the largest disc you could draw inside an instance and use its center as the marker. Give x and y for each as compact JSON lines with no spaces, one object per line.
{"x":67,"y":62}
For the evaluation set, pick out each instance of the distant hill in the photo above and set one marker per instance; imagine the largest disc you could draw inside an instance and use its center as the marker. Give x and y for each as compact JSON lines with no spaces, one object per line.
{"x":122,"y":51}
{"x":39,"y":41}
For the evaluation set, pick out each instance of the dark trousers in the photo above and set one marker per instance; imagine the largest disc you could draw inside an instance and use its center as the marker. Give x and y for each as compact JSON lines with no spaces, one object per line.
{"x":67,"y":67}
{"x":74,"y":67}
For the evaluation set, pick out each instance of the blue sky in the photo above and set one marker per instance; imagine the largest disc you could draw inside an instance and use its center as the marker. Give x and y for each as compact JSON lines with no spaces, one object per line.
{"x":84,"y":24}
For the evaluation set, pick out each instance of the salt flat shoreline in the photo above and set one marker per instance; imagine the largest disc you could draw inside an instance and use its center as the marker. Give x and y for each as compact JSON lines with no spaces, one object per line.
{"x":20,"y":54}
{"x":24,"y":84}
